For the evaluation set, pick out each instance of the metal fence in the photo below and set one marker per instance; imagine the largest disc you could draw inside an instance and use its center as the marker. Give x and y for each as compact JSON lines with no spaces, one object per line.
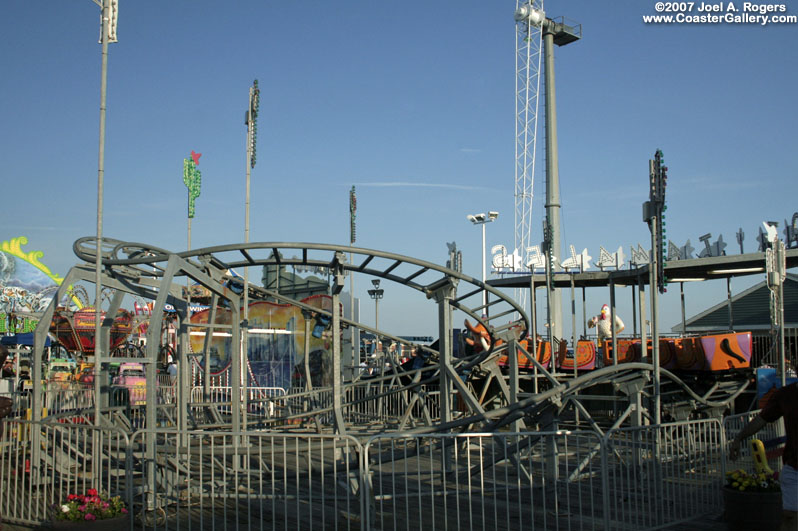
{"x":637,"y":478}
{"x":773,"y":436}
{"x":766,"y":349}
{"x":261,"y":401}
{"x":41,"y":464}
{"x":485,"y":481}
{"x":661,"y":475}
{"x":203,"y":480}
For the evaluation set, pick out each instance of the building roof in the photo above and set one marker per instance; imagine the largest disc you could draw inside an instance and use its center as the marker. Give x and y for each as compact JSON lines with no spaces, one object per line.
{"x":716,"y":267}
{"x":750,"y":310}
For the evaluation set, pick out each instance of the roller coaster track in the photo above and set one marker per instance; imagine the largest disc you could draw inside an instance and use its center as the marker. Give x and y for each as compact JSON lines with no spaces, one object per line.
{"x":140,"y":269}
{"x":135,"y":262}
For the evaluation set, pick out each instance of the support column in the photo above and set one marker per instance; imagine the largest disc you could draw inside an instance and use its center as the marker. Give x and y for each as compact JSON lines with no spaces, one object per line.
{"x":584,"y":314}
{"x":684,"y":320}
{"x":237,"y":361}
{"x":552,"y":175}
{"x":444,"y":294}
{"x":641,"y":296}
{"x":533,"y":326}
{"x":37,"y":394}
{"x":573,"y":320}
{"x":100,"y":368}
{"x":512,"y":356}
{"x":634,"y":312}
{"x":729,"y":303}
{"x":612,"y":322}
{"x":151,"y":354}
{"x":183,"y":368}
{"x":338,"y":286}
{"x":206,"y":350}
{"x":655,"y":328}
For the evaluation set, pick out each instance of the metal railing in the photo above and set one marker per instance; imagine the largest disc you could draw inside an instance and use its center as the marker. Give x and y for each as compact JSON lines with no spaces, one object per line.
{"x":42,"y":463}
{"x":261,"y":401}
{"x":766,"y":349}
{"x":663,"y":475}
{"x":215,"y":480}
{"x":772,"y":436}
{"x":631,"y":478}
{"x":485,"y":481}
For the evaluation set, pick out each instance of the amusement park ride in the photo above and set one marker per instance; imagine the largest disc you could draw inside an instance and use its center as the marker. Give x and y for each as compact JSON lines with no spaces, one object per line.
{"x":250,"y":336}
{"x":254,"y":359}
{"x":498,"y":378}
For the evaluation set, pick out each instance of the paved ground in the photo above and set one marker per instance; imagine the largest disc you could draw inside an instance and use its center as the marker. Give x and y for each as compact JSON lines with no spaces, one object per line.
{"x":706,"y":523}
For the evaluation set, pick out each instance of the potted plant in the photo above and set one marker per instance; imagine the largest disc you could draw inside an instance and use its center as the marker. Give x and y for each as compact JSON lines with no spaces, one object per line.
{"x":91,"y":510}
{"x":752,"y":501}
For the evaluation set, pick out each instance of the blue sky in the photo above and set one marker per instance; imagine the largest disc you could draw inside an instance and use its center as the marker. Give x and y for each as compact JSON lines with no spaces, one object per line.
{"x":413,"y":103}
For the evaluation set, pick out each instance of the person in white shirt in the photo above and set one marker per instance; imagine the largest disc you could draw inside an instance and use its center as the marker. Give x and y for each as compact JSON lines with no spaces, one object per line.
{"x":172,"y":371}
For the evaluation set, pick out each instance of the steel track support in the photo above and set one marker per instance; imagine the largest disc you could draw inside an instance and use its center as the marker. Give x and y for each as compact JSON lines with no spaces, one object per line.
{"x":338,"y":286}
{"x":444,"y":294}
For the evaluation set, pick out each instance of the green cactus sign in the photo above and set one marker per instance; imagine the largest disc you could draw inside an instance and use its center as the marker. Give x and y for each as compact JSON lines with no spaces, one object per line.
{"x":192,"y":179}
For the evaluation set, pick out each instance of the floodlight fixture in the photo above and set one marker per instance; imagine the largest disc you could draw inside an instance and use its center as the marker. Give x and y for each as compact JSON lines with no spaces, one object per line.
{"x":482,"y":219}
{"x":376,"y":294}
{"x":527,"y":13}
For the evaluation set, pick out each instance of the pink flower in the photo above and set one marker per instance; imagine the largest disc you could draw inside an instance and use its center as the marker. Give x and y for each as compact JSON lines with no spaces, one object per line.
{"x":124,"y":511}
{"x":90,"y":517}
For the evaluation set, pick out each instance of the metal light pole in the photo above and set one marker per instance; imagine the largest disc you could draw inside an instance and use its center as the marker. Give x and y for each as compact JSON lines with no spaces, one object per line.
{"x":376,"y":294}
{"x":107,"y":34}
{"x":482,"y":219}
{"x":250,"y":120}
{"x":653,"y":214}
{"x":353,"y":334}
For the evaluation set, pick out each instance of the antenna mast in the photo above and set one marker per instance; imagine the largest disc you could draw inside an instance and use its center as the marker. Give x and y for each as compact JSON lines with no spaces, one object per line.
{"x":529,"y":18}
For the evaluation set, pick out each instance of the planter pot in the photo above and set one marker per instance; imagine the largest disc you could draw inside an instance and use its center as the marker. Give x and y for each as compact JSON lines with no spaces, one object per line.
{"x":109,"y":524}
{"x":752,"y":511}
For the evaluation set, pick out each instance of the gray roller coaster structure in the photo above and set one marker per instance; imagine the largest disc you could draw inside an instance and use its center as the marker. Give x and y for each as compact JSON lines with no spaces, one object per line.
{"x":470,"y":393}
{"x":475,"y":392}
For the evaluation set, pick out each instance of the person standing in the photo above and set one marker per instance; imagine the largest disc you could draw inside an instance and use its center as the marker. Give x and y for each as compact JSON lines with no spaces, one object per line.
{"x":782,"y":403}
{"x":6,"y":365}
{"x":172,"y":371}
{"x":604,"y":330}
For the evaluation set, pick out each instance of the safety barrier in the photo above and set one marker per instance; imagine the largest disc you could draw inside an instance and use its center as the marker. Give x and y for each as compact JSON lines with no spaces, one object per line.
{"x":260,"y":400}
{"x":773,"y":436}
{"x":486,"y":481}
{"x":631,"y":478}
{"x":43,"y":463}
{"x":664,"y":474}
{"x":255,"y":480}
{"x":388,"y":401}
{"x":364,"y":401}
